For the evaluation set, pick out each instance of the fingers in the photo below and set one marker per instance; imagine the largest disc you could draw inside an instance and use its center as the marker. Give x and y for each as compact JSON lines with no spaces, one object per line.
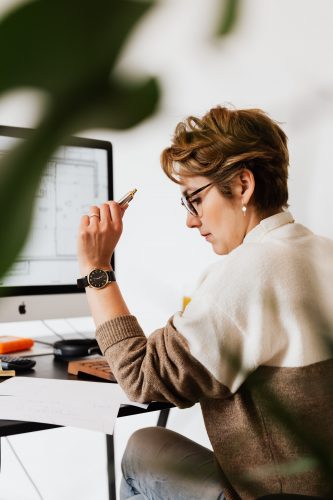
{"x":99,"y":234}
{"x":94,"y":216}
{"x":105,"y":213}
{"x":116,"y":213}
{"x":84,"y":221}
{"x":94,"y":211}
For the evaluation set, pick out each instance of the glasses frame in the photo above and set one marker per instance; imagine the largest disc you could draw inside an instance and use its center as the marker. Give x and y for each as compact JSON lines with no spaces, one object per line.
{"x":186,"y":200}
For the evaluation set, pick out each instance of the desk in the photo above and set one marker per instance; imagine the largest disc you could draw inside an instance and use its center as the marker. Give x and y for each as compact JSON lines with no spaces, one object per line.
{"x":48,"y":367}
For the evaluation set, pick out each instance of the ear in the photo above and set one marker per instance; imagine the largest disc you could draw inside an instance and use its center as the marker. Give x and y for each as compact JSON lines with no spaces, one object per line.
{"x":247,"y":185}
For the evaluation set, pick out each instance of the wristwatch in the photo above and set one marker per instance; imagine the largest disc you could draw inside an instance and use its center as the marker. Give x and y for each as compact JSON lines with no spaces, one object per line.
{"x":97,"y":278}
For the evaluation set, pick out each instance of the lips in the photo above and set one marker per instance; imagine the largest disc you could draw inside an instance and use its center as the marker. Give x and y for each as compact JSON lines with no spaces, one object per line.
{"x":206,"y":235}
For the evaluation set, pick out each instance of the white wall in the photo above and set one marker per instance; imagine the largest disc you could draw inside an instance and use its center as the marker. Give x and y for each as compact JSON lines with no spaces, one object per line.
{"x":278,"y":58}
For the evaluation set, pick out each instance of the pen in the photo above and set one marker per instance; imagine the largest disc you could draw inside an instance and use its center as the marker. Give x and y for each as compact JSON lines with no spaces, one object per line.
{"x":127,"y":198}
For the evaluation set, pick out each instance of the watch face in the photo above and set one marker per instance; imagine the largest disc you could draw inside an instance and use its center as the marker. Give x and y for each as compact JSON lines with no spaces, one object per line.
{"x":98,"y":278}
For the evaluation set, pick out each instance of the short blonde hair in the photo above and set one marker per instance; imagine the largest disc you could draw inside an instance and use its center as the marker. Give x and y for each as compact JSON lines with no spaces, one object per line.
{"x":222,"y":143}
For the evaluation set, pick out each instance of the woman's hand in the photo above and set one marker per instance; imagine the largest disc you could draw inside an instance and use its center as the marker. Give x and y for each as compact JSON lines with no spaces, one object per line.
{"x":98,"y":236}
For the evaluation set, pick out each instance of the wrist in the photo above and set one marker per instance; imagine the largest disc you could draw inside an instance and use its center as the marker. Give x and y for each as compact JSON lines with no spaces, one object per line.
{"x":96,"y":278}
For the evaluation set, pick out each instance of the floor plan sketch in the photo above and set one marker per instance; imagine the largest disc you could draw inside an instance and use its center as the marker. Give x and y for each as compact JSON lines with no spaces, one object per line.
{"x":75,"y":178}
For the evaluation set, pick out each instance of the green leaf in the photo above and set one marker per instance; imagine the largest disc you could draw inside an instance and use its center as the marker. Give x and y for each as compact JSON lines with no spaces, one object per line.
{"x":55,"y":44}
{"x":119,"y":105}
{"x":229,"y":17}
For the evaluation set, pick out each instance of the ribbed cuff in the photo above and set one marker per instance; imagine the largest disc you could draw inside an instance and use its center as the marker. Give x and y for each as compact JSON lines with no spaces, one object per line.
{"x":115,"y":330}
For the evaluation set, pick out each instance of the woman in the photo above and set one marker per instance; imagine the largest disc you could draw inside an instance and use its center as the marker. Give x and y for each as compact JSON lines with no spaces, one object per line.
{"x":253,"y":337}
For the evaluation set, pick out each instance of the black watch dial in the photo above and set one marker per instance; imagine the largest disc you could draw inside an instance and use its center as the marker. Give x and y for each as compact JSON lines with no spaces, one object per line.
{"x":98,"y":278}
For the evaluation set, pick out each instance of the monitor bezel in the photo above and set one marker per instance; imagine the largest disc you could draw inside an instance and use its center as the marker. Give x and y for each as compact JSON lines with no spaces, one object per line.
{"x":23,"y":133}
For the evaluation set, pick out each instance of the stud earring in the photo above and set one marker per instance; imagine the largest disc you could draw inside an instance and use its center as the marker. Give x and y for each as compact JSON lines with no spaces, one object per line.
{"x":244,"y":210}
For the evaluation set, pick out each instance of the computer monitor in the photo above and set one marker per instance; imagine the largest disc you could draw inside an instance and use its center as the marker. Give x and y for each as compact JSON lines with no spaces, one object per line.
{"x":42,"y":282}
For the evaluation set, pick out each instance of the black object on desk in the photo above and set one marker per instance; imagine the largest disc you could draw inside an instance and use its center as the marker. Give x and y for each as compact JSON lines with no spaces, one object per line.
{"x":75,"y":348}
{"x":16,"y":363}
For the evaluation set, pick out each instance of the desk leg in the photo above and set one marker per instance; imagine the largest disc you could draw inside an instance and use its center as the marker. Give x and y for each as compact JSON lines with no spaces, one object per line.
{"x":111,"y":467}
{"x":163,"y":418}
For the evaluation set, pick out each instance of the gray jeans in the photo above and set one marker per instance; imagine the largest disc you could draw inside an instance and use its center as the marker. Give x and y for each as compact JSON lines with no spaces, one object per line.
{"x":159,"y":464}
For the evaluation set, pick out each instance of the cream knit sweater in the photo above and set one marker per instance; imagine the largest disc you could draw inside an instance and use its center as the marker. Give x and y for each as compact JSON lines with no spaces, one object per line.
{"x":253,"y":339}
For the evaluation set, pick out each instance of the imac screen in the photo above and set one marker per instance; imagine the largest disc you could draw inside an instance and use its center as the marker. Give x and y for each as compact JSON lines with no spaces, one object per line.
{"x":78,"y":175}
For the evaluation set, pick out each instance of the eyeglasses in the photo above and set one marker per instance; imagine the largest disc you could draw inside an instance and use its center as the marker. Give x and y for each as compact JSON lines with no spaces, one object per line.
{"x":187,"y":201}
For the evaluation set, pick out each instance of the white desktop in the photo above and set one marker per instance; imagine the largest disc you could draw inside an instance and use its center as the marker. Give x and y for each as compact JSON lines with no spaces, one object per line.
{"x":42,"y":282}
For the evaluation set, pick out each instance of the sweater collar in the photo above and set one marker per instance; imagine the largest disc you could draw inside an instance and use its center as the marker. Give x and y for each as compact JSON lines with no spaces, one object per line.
{"x":268,"y":224}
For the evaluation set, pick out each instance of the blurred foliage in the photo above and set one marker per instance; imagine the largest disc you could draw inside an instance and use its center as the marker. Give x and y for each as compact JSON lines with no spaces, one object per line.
{"x":229,"y":17}
{"x":68,"y":50}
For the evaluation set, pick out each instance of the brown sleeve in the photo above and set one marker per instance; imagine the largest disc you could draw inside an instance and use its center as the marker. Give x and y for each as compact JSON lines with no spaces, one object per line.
{"x":157,"y":368}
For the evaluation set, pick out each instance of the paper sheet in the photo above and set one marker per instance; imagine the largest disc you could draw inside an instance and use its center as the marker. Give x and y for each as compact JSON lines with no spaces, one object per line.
{"x":88,"y":405}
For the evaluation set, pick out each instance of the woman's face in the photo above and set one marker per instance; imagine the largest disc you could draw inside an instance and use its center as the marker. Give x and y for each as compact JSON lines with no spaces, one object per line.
{"x":221,"y":221}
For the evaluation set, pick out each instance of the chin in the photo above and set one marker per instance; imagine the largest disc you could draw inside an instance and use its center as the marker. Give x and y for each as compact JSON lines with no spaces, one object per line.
{"x":220,"y":249}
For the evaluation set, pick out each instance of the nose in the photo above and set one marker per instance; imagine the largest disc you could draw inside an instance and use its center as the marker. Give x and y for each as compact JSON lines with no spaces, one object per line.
{"x":192,"y":220}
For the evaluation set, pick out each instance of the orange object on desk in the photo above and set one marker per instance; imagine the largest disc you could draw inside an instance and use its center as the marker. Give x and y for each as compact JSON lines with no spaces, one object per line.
{"x":12,"y":344}
{"x":98,"y":367}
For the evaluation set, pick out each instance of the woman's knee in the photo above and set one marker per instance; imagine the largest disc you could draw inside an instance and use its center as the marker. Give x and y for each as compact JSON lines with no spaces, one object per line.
{"x":164,"y":464}
{"x":140,"y":439}
{"x":140,"y":446}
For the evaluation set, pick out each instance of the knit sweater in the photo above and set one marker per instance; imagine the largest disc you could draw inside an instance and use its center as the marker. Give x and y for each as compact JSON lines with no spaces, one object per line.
{"x":252,"y":343}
